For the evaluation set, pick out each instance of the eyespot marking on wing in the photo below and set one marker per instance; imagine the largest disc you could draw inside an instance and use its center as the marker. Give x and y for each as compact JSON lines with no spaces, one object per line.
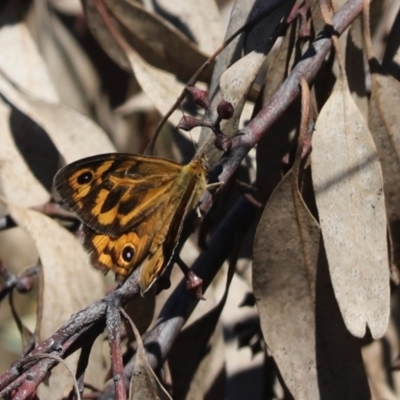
{"x":128,"y":253}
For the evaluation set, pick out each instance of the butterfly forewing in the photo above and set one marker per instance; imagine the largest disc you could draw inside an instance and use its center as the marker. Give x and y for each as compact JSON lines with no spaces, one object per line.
{"x":109,"y":191}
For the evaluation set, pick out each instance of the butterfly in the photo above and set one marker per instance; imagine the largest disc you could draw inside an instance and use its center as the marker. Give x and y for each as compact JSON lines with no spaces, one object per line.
{"x":132,"y":208}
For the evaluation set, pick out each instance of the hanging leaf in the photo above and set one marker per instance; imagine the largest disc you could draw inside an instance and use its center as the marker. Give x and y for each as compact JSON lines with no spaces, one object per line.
{"x":348,"y":185}
{"x":285,"y":259}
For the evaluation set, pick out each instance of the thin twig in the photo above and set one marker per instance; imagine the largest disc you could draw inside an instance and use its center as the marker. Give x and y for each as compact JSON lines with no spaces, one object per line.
{"x":68,"y":338}
{"x":113,"y":322}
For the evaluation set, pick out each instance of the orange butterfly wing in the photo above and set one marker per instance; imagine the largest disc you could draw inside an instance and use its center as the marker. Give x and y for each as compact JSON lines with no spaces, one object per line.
{"x":132,"y":208}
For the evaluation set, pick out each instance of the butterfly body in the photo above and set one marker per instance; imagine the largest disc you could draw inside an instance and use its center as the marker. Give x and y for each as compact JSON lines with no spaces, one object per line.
{"x":132,"y":208}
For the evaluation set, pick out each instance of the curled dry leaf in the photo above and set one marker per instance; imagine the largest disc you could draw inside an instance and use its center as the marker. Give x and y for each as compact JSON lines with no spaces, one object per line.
{"x":69,"y":284}
{"x":348,"y":185}
{"x":285,"y":259}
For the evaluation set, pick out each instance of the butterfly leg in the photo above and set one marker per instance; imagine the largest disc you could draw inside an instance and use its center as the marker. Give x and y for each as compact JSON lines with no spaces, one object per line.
{"x":214,"y":185}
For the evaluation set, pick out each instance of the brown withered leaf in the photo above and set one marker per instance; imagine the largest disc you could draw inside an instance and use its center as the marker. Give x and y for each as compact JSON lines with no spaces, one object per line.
{"x":384,"y":120}
{"x":158,"y":42}
{"x":285,"y":259}
{"x":161,"y":86}
{"x":348,"y":185}
{"x":103,"y":36}
{"x":144,"y":383}
{"x":197,"y":360}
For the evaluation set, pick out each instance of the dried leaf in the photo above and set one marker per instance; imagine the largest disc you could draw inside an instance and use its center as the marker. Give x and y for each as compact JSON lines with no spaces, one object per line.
{"x":162,"y":87}
{"x":233,"y":76}
{"x":69,"y":7}
{"x":141,"y":310}
{"x":21,"y":61}
{"x":377,"y":362}
{"x":384,"y":120}
{"x":25,"y":332}
{"x":285,"y":259}
{"x":159,"y":43}
{"x":272,"y":147}
{"x":237,"y":78}
{"x":197,"y":357}
{"x":69,"y":284}
{"x":103,"y":36}
{"x":17,"y":183}
{"x":391,"y":58}
{"x":74,"y":135}
{"x":144,"y":383}
{"x":341,"y":370}
{"x":200,"y":20}
{"x":71,"y":71}
{"x":355,"y":63}
{"x":196,"y":365}
{"x":349,"y":194}
{"x":235,"y":82}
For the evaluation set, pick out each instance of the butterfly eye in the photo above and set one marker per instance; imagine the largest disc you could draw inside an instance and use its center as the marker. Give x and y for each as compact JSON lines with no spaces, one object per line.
{"x":128,"y":253}
{"x":85,"y":177}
